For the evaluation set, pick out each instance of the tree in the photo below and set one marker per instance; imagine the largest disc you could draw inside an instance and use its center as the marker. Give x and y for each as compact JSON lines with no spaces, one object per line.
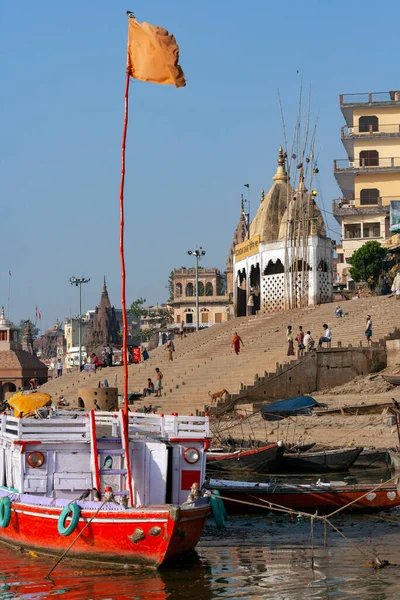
{"x":158,"y":317}
{"x":366,"y":262}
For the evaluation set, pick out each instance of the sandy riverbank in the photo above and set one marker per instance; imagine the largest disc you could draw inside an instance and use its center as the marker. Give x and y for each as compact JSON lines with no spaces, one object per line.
{"x":371,"y":430}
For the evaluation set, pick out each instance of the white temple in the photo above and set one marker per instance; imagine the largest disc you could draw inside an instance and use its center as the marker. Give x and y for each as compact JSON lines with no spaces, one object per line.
{"x":286,"y":262}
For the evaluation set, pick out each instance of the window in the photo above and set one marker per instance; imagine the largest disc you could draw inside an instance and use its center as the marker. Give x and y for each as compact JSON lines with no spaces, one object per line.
{"x":218,"y":317}
{"x":368,"y":124}
{"x":189,"y":318}
{"x":178,"y":318}
{"x":3,"y":336}
{"x":201,"y":288}
{"x":371,"y":230}
{"x":209,"y":289}
{"x":204,"y":317}
{"x":178,"y":290}
{"x":340,"y":258}
{"x":369,"y":196}
{"x":369,"y":158}
{"x":274,"y":268}
{"x":352,"y":231}
{"x":189,"y":290}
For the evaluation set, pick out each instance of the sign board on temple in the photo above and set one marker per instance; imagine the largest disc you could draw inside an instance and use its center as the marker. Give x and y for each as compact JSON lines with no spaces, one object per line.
{"x":247,"y":248}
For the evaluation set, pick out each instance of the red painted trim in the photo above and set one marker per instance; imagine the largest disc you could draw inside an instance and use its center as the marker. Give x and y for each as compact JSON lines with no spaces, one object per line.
{"x":23,"y":443}
{"x":235,"y":455}
{"x":194,"y":440}
{"x":95,"y":455}
{"x":121,"y":248}
{"x":124,"y":427}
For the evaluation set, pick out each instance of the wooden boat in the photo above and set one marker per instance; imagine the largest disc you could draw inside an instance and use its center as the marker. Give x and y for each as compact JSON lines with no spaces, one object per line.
{"x":299,"y":448}
{"x":300,"y":405}
{"x":131,"y":485}
{"x":319,"y":462}
{"x":371,"y":458}
{"x":321,"y":497}
{"x":393,"y":378}
{"x":354,"y":409}
{"x":258,"y":460}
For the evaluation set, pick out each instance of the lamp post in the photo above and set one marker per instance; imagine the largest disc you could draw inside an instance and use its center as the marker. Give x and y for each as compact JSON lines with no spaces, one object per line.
{"x":197,"y":254}
{"x":78,"y":282}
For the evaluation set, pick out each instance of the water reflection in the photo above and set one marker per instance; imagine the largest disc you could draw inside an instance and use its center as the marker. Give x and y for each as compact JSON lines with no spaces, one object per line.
{"x":256,"y":557}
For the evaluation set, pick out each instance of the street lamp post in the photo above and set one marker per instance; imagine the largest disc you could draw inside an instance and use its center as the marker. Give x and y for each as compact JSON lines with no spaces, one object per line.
{"x":197,"y":254}
{"x":78,"y":282}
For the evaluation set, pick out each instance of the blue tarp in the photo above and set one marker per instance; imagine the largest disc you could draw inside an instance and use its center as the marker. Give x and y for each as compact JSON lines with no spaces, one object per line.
{"x":291,"y":406}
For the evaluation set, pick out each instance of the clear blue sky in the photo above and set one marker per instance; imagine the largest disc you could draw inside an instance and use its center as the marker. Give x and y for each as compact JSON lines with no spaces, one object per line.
{"x":189,"y":150}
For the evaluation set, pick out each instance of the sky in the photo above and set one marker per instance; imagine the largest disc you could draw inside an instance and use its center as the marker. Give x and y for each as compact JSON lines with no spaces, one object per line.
{"x":189,"y":151}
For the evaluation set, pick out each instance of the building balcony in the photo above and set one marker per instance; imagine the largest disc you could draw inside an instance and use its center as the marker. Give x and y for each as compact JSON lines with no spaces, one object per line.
{"x":224,"y":299}
{"x":379,"y":164}
{"x":370,"y":98}
{"x":370,"y":131}
{"x":342,"y":207}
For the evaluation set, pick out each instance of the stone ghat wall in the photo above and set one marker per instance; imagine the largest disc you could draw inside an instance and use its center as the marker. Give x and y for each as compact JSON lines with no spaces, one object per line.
{"x":316,"y":371}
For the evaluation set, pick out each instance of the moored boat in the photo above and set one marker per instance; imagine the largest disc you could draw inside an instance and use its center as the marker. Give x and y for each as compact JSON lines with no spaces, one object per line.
{"x":319,"y":462}
{"x":133,"y":484}
{"x":259,"y":460}
{"x":246,"y":497}
{"x":300,"y":405}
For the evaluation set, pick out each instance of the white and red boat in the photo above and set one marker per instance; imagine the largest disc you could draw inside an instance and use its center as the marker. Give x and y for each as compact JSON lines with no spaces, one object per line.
{"x":139,"y":478}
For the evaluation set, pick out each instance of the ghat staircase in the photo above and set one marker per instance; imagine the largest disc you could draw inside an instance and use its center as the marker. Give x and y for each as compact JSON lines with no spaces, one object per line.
{"x":205,"y":361}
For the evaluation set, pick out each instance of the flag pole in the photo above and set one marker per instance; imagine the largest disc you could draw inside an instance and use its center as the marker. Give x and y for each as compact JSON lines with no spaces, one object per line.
{"x":121,"y":249}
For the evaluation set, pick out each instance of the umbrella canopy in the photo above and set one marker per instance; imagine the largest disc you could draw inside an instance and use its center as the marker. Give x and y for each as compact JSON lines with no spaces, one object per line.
{"x":27,"y":402}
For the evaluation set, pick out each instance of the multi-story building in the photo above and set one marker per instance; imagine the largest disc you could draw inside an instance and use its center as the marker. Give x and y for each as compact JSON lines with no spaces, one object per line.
{"x":213,"y":299}
{"x":369,"y":178}
{"x":71,"y":332}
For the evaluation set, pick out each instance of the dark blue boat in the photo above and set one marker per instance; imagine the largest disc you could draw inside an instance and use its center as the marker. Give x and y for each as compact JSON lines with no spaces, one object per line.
{"x":301,"y":405}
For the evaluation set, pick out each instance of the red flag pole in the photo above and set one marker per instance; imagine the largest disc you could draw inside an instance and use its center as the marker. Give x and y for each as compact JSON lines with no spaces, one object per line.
{"x":121,"y":251}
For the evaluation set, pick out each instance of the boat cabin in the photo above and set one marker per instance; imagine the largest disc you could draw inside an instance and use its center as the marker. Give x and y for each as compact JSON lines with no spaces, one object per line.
{"x":149,"y":460}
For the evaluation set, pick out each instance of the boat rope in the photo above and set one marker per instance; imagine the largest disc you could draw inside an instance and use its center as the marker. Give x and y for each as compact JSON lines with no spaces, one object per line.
{"x":376,"y":561}
{"x":76,"y":539}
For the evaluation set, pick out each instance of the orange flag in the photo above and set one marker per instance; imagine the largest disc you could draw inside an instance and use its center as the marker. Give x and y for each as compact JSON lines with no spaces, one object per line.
{"x":153,"y":54}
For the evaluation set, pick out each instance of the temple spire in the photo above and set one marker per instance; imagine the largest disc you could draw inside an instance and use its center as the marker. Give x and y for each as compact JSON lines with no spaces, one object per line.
{"x":280,"y":174}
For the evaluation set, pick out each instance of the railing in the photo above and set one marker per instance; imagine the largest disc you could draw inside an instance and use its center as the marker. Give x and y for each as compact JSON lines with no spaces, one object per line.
{"x":344,"y":164}
{"x":381,"y":129}
{"x":381,"y":201}
{"x":370,"y":97}
{"x":172,"y":326}
{"x":170,"y":426}
{"x":68,"y":427}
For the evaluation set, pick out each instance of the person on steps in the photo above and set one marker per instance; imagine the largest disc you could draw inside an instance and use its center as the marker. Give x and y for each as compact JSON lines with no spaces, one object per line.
{"x":327,"y":337}
{"x":289,"y":337}
{"x":236,"y":342}
{"x":368,"y":331}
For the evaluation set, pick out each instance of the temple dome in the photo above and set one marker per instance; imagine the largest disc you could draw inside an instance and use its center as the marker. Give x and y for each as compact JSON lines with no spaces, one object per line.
{"x":273,"y":206}
{"x":296,"y":211}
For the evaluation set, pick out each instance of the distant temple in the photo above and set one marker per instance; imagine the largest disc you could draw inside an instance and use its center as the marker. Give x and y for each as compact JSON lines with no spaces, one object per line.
{"x":18,"y":364}
{"x":105,"y":326}
{"x":286,"y":259}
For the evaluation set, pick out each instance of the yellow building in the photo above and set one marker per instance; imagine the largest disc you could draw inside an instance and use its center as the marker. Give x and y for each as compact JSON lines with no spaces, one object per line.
{"x":369,"y":178}
{"x":213,"y":300}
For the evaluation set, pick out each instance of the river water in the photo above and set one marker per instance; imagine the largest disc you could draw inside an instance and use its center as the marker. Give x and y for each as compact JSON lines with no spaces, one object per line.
{"x":262,"y":557}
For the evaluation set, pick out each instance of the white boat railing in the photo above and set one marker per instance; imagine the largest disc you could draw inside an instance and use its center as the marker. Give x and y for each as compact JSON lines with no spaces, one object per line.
{"x":67,"y":426}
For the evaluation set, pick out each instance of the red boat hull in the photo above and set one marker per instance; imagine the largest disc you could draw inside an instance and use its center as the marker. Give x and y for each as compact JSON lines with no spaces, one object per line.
{"x":324,"y":501}
{"x":146,"y":536}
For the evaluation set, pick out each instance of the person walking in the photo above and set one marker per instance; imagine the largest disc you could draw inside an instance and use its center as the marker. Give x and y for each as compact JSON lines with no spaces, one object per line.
{"x":236,"y":342}
{"x":289,"y":337}
{"x":308,"y":342}
{"x":327,"y":337}
{"x":368,"y":331}
{"x":170,"y":347}
{"x":59,"y":367}
{"x":250,"y":304}
{"x":300,"y":341}
{"x":159,"y":377}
